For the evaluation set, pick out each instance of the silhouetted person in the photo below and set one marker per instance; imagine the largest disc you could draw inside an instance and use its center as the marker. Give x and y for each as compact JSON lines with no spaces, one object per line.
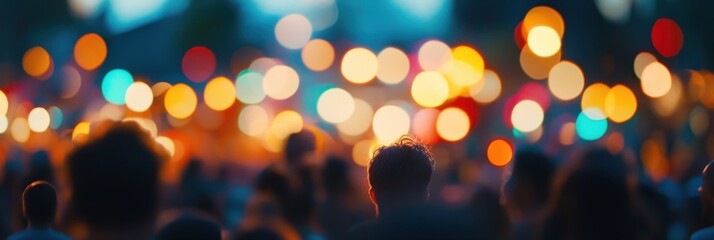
{"x":526,"y":191}
{"x":593,"y":201}
{"x":189,"y":228}
{"x":114,"y":182}
{"x":490,"y":218}
{"x":40,"y":168}
{"x":341,"y":207}
{"x":39,"y":204}
{"x":707,"y":195}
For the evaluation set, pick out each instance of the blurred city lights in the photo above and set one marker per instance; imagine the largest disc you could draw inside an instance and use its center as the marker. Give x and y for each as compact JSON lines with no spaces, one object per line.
{"x":139,"y":97}
{"x":566,"y":80}
{"x":4,"y":104}
{"x":429,"y":89}
{"x":318,"y":55}
{"x":667,"y":37}
{"x":499,"y":152}
{"x":567,"y":134}
{"x":527,"y":116}
{"x":198,"y":64}
{"x":37,"y":63}
{"x":620,"y":103}
{"x":543,"y":41}
{"x":90,"y":51}
{"x":591,"y":128}
{"x":219,"y":94}
{"x":249,"y":87}
{"x":20,"y":130}
{"x":537,"y":67}
{"x":56,"y":117}
{"x":115,"y":84}
{"x":363,"y":151}
{"x":38,"y":119}
{"x":389,"y":123}
{"x":167,"y":144}
{"x":359,"y":65}
{"x":641,"y":61}
{"x":360,"y":121}
{"x":293,"y":31}
{"x":667,"y":104}
{"x":80,"y":132}
{"x":543,"y":16}
{"x":594,"y":97}
{"x":335,"y":105}
{"x":180,"y":101}
{"x":392,"y":65}
{"x":281,"y":82}
{"x":488,"y":89}
{"x":452,"y":124}
{"x":3,"y":124}
{"x":71,"y":82}
{"x":435,"y":55}
{"x":253,"y":120}
{"x":656,"y":80}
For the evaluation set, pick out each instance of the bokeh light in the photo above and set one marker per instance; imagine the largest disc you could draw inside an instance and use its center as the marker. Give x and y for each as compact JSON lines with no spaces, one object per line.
{"x":392,"y":65}
{"x":591,"y":128}
{"x":281,"y":82}
{"x":81,"y":131}
{"x":667,"y":37}
{"x":139,"y":97}
{"x":90,"y":51}
{"x":37,"y":62}
{"x":360,"y":121}
{"x":4,"y":104}
{"x":656,"y":80}
{"x":363,"y":151}
{"x":219,"y":94}
{"x":249,"y":87}
{"x":469,"y":55}
{"x":699,"y":121}
{"x":424,"y":125}
{"x":543,"y":41}
{"x":160,"y":88}
{"x":429,"y":89}
{"x":115,"y":84}
{"x":488,"y":89}
{"x":615,"y":143}
{"x":71,"y":82}
{"x":335,"y":105}
{"x":453,"y":124}
{"x":359,"y":65}
{"x":567,"y":134}
{"x":4,"y":124}
{"x":318,"y":55}
{"x":56,"y":117}
{"x":594,"y":96}
{"x":20,"y":130}
{"x":641,"y":61}
{"x":543,"y":16}
{"x":198,"y":63}
{"x":39,"y":119}
{"x":167,"y":144}
{"x":620,"y":103}
{"x":462,"y":74}
{"x":537,"y":67}
{"x":293,"y":31}
{"x":527,"y":116}
{"x":389,"y":123}
{"x":253,"y":120}
{"x":668,"y":104}
{"x":435,"y":55}
{"x":654,"y":158}
{"x":285,"y":123}
{"x":566,"y":80}
{"x":180,"y":101}
{"x":499,"y":152}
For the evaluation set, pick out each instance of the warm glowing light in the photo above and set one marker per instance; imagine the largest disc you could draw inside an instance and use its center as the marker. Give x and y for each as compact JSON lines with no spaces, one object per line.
{"x":146,"y":124}
{"x":198,"y":63}
{"x":39,"y":119}
{"x":615,"y":143}
{"x":115,"y":84}
{"x":4,"y":104}
{"x":180,"y":101}
{"x":424,"y":125}
{"x":363,"y":151}
{"x":527,"y":116}
{"x":462,"y":74}
{"x":698,"y":121}
{"x":654,"y":158}
{"x":3,"y":123}
{"x":393,"y":65}
{"x":293,"y":31}
{"x":318,"y":55}
{"x":537,"y":67}
{"x":20,"y":130}
{"x":90,"y":51}
{"x":167,"y":144}
{"x":620,"y":103}
{"x":488,"y":89}
{"x":71,"y":82}
{"x":452,"y":124}
{"x":429,"y":89}
{"x":335,"y":105}
{"x":81,"y":131}
{"x":543,"y":41}
{"x":359,"y":65}
{"x":286,"y":123}
{"x":567,"y":134}
{"x":594,"y":96}
{"x":160,"y":88}
{"x":641,"y":61}
{"x":360,"y":121}
{"x":499,"y":152}
{"x":55,"y":117}
{"x":37,"y":62}
{"x":591,"y":128}
{"x":543,"y":16}
{"x":435,"y":55}
{"x":281,"y":82}
{"x":139,"y":97}
{"x":253,"y":120}
{"x":566,"y":80}
{"x":667,"y":104}
{"x":220,"y":94}
{"x":667,"y":37}
{"x":390,"y":122}
{"x":656,"y":80}
{"x":249,"y":87}
{"x":472,"y":57}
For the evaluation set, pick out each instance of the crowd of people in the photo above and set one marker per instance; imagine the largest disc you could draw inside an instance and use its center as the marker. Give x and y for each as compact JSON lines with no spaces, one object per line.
{"x":115,"y":192}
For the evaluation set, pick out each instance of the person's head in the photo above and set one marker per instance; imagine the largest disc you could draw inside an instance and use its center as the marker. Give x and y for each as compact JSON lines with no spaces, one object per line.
{"x":528,"y":186}
{"x":298,"y":146}
{"x":39,"y":203}
{"x":707,"y":190}
{"x":400,"y":173}
{"x":114,"y":179}
{"x":40,"y":168}
{"x":190,"y":227}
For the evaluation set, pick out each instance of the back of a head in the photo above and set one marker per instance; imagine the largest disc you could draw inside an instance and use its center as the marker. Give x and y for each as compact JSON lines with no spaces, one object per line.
{"x":401,"y":172}
{"x":39,"y":201}
{"x":533,"y":170}
{"x":190,"y":228}
{"x":299,"y":144}
{"x":114,"y":178}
